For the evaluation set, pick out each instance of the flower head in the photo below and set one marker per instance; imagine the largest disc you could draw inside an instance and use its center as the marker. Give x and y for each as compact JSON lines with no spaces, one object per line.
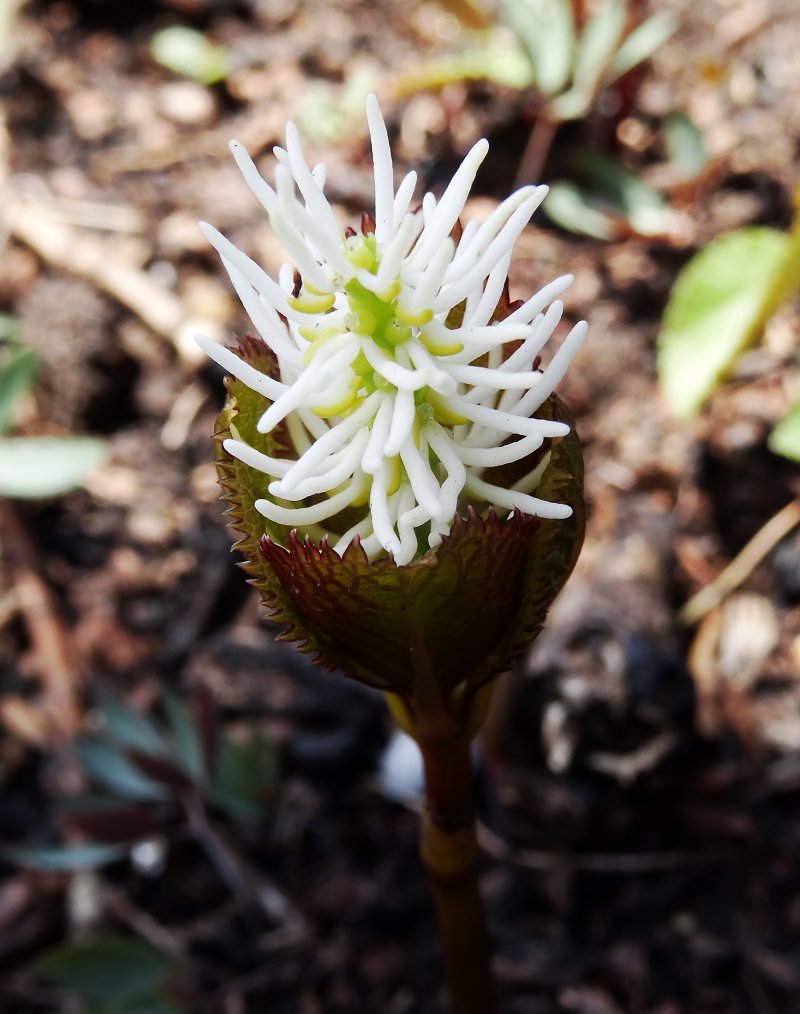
{"x":397,"y":391}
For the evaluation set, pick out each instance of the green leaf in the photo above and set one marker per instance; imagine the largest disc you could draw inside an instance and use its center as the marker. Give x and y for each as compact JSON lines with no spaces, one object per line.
{"x":246,"y":774}
{"x":554,"y":55}
{"x":718,"y":306}
{"x":63,"y":859}
{"x":113,"y":770}
{"x":787,"y":278}
{"x":642,"y":42}
{"x":594,"y":51}
{"x":130,"y":729}
{"x":186,"y":742}
{"x":115,"y":970}
{"x":506,"y":67}
{"x":623,"y":193}
{"x":9,"y":328}
{"x":329,"y":112}
{"x":685,"y":145}
{"x":36,"y":467}
{"x":546,"y":31}
{"x":187,"y":52}
{"x":568,"y":206}
{"x":785,"y":437}
{"x":597,"y":44}
{"x":612,"y":201}
{"x":17,"y":373}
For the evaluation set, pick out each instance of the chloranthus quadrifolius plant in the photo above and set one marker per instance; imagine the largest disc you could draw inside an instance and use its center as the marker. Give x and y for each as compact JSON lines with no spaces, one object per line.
{"x":407,"y":486}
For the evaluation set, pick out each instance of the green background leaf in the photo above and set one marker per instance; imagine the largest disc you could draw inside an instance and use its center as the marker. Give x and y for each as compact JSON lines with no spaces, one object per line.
{"x":120,"y":974}
{"x":547,"y":33}
{"x":685,"y":145}
{"x":35,"y":467}
{"x":16,"y":376}
{"x":720,"y":303}
{"x":187,"y":52}
{"x":63,"y":858}
{"x":245,"y":776}
{"x":642,"y":42}
{"x":597,"y":44}
{"x":785,"y":437}
{"x":112,"y":769}
{"x":507,"y":67}
{"x":568,"y":206}
{"x":128,"y":728}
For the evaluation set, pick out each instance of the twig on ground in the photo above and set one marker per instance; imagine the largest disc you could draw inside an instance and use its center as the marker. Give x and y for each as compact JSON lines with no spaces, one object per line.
{"x":98,"y":260}
{"x":161,"y":938}
{"x":53,"y":655}
{"x":248,"y":885}
{"x":741,"y":566}
{"x":591,"y":862}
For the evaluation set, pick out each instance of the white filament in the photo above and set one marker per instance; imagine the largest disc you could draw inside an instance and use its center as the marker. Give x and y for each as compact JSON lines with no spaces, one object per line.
{"x":403,"y":422}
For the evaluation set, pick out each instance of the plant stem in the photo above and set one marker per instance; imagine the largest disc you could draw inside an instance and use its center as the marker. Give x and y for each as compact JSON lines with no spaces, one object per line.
{"x":537,"y":149}
{"x":450,"y":853}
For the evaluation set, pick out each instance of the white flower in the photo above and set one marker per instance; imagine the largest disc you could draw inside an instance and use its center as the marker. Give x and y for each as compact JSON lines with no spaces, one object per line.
{"x":387,"y":406}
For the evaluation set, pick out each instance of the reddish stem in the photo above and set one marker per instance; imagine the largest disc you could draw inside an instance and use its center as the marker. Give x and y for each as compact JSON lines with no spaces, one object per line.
{"x":450,"y":854}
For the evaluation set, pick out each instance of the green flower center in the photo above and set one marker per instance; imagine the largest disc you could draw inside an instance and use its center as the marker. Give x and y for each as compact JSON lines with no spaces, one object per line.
{"x":381,"y":319}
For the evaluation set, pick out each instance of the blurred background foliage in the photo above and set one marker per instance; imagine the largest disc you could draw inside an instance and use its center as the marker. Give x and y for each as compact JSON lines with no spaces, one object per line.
{"x":191,"y":818}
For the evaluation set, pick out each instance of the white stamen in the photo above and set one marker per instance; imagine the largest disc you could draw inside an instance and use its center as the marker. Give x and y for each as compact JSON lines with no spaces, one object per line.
{"x":402,"y":422}
{"x":498,"y":248}
{"x":402,"y":199}
{"x":379,"y":509}
{"x":555,"y":371}
{"x":255,"y":459}
{"x":538,"y":302}
{"x":252,"y":177}
{"x":316,"y":201}
{"x":444,"y":450}
{"x":491,"y":457}
{"x":331,"y":441}
{"x":382,"y":162}
{"x":374,"y":452}
{"x":268,"y":324}
{"x":487,"y":304}
{"x":309,"y":383}
{"x":311,"y":515}
{"x":258,"y":278}
{"x":420,"y":372}
{"x":485,"y":232}
{"x":523,"y":501}
{"x":421,"y":295}
{"x":394,"y":254}
{"x":450,"y":205}
{"x":406,"y":380}
{"x":423,"y":481}
{"x":505,"y":422}
{"x":248,"y":375}
{"x":342,"y":468}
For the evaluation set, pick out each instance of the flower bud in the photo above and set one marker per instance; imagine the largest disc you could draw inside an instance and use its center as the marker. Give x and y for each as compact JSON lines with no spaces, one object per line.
{"x":407,"y":486}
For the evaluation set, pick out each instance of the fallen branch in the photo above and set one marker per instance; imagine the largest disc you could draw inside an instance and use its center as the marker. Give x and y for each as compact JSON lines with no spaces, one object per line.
{"x":590,"y":862}
{"x":52,"y":652}
{"x":97,"y":259}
